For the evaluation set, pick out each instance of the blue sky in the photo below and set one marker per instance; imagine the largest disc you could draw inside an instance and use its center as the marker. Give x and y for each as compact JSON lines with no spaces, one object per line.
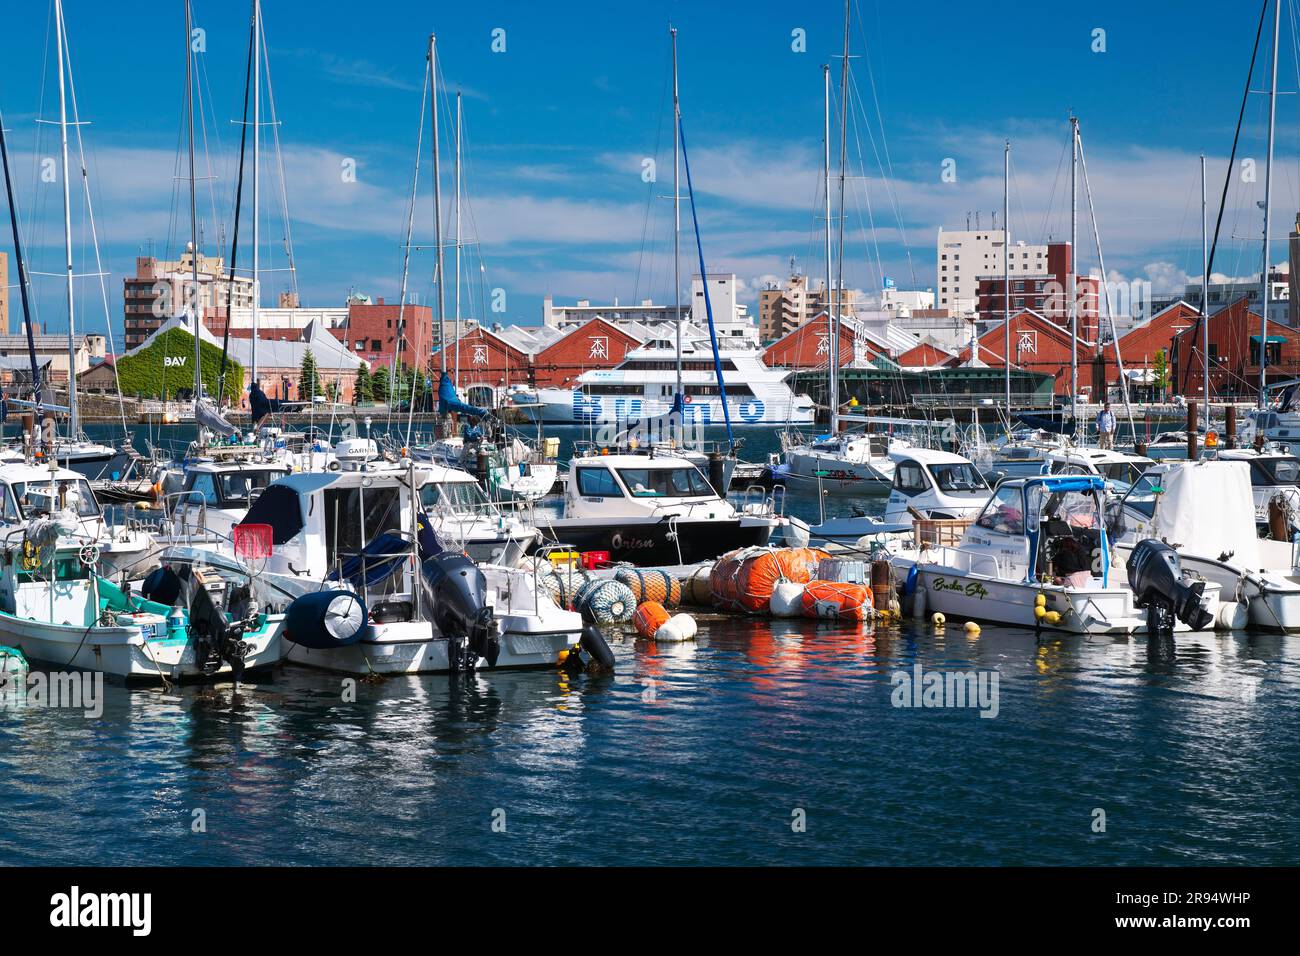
{"x":558,"y":126}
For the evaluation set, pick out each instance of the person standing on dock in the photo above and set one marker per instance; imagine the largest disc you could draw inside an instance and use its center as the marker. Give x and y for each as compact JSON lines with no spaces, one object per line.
{"x":1105,"y":427}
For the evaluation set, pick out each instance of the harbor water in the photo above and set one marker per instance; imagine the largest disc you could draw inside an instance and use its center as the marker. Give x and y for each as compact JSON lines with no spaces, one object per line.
{"x":762,"y":742}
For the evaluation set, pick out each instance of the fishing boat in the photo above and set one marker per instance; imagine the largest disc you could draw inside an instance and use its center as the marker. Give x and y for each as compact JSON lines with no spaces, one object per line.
{"x":1205,"y":510}
{"x":1037,"y":556}
{"x":653,"y":510}
{"x":59,"y":609}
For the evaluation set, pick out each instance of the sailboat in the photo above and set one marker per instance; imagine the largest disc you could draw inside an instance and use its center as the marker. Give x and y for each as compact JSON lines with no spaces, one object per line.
{"x":836,"y":463}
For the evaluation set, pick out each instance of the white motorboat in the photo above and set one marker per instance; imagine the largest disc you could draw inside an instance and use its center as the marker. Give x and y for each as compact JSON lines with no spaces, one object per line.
{"x":928,"y":484}
{"x":59,"y":610}
{"x":461,"y":514}
{"x":1119,"y":469}
{"x":653,"y":509}
{"x":1205,"y":510}
{"x":1023,"y":453}
{"x":838,"y":464}
{"x":29,"y":492}
{"x":361,"y":530}
{"x":1037,"y":556}
{"x":514,"y":471}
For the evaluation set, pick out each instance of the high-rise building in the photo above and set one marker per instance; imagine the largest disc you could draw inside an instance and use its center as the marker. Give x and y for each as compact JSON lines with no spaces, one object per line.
{"x":159,"y":288}
{"x":784,"y":308}
{"x":962,"y":257}
{"x":1293,"y":279}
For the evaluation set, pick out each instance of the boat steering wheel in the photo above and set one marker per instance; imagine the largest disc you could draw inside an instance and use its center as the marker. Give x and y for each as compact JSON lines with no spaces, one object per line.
{"x":89,"y":555}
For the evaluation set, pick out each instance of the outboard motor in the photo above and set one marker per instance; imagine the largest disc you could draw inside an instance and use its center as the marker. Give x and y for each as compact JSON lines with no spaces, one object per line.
{"x":457,"y":597}
{"x":215,"y":639}
{"x":1156,"y":576}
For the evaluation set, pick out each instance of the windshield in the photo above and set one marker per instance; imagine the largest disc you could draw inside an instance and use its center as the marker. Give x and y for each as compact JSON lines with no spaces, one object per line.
{"x":230,"y":488}
{"x":665,"y":482}
{"x":72,"y":494}
{"x":1122,"y":473}
{"x":1142,"y":496}
{"x":454,"y":496}
{"x":960,"y":476}
{"x":1275,"y":471}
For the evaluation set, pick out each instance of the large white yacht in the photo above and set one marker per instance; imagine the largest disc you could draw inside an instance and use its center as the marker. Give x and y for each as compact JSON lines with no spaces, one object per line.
{"x":645,"y":382}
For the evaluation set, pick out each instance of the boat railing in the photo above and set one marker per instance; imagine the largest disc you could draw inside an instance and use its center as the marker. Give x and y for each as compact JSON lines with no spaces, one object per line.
{"x":757,"y":501}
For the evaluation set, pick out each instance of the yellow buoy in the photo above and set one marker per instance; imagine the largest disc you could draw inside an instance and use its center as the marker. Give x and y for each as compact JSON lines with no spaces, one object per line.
{"x":1052,"y":617}
{"x":938,"y":620}
{"x":972,"y":628}
{"x":1040,"y":612}
{"x":1041,"y":600}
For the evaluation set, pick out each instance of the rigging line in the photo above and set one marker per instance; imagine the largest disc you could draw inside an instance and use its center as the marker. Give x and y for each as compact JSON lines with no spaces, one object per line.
{"x":94,"y":238}
{"x":866,"y":192}
{"x":1044,"y":231}
{"x":650,"y":195}
{"x":234,"y":241}
{"x":1110,"y":314}
{"x":1232,"y":159}
{"x":23,"y":280}
{"x":891,"y":191}
{"x":406,"y":247}
{"x":279,"y":161}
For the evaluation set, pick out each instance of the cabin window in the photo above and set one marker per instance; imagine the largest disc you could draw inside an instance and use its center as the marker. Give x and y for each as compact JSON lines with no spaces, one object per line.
{"x":1004,"y":513}
{"x":665,"y":482}
{"x":355,"y":516}
{"x":909,"y":478}
{"x":598,"y":483}
{"x":34,"y":497}
{"x":203,"y":488}
{"x":8,"y":508}
{"x":958,"y":476}
{"x":453,"y":496}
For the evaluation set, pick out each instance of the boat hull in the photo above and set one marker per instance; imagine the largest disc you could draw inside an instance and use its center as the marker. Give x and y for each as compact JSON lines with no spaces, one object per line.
{"x":649,"y":543}
{"x":126,"y":653}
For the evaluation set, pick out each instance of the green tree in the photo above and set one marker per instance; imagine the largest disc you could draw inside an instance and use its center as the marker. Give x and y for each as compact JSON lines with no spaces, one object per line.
{"x":361,"y":388}
{"x":1161,"y":373}
{"x":309,"y":383}
{"x":379,"y":384}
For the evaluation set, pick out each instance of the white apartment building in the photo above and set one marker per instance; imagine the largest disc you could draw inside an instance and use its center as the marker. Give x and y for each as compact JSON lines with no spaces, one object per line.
{"x":963,"y":257}
{"x":903,"y":302}
{"x":731,"y":317}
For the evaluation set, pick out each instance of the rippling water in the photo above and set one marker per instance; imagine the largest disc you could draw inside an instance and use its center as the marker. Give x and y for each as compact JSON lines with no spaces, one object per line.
{"x":689,"y":754}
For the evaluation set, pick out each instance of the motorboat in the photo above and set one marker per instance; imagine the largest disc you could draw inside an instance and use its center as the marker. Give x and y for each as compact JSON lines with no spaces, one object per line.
{"x":1023,"y":452}
{"x":1037,"y":556}
{"x":848,"y":463}
{"x":930,"y":485}
{"x":30,"y":492}
{"x":653,"y":510}
{"x":361,"y":536}
{"x":1275,"y":486}
{"x":1119,"y":469}
{"x":59,"y":609}
{"x":1205,"y":511}
{"x":461,"y":513}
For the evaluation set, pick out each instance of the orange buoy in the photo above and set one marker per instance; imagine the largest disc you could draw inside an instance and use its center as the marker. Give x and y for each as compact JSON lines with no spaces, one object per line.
{"x":649,"y":617}
{"x":834,"y":599}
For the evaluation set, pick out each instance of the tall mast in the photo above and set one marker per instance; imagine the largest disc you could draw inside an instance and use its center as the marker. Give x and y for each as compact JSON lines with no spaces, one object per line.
{"x":1205,"y":297}
{"x":826,"y":170}
{"x":1071,"y":281}
{"x":677,"y":216}
{"x":257,"y":164}
{"x":1006,"y":271}
{"x":1268,"y":189}
{"x":457,"y":333}
{"x":437,"y":201}
{"x":67,"y":227}
{"x":839,"y":264}
{"x":194,"y":214}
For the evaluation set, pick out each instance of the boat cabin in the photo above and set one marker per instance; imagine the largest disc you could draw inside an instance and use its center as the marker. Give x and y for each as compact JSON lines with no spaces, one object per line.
{"x":938,"y":484}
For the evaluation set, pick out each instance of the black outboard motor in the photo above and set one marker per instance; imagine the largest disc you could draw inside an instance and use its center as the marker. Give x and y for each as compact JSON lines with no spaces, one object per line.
{"x":215,"y":638}
{"x":457,"y":593}
{"x":1156,"y":576}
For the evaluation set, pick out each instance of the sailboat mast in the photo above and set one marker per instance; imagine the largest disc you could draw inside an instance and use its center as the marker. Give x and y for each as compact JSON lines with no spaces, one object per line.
{"x":1071,"y":282}
{"x":257,"y":166}
{"x":826,"y":176}
{"x":194,"y":213}
{"x":1268,"y":196}
{"x":839,"y":291}
{"x":457,"y":332}
{"x":67,"y":227}
{"x":1205,"y":297}
{"x":437,"y":201}
{"x":677,"y":216}
{"x":1006,"y":272}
